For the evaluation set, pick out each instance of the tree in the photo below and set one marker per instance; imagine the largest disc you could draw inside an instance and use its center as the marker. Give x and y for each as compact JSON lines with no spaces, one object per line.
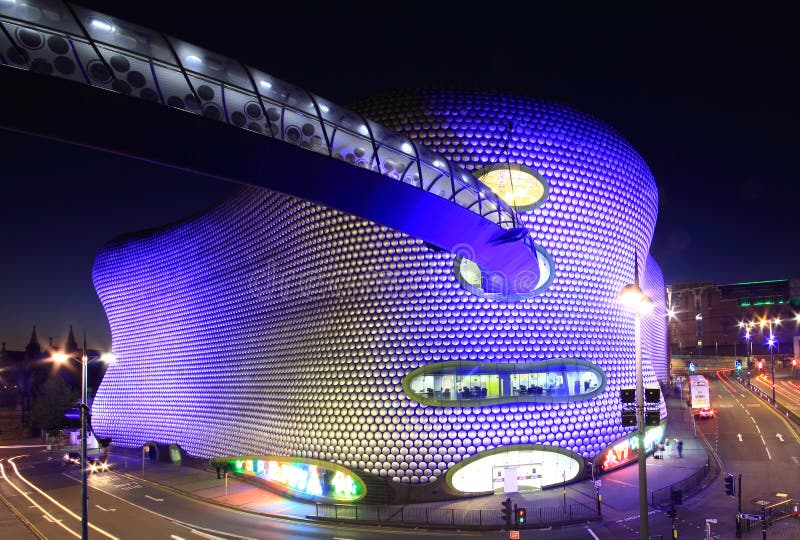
{"x":50,"y":404}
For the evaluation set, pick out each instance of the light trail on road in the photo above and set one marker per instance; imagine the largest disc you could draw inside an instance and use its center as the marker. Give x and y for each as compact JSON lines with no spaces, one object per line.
{"x":55,"y":502}
{"x":50,"y":517}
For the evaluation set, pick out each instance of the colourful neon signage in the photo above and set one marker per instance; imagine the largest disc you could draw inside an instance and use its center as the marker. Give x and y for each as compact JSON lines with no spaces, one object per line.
{"x":626,"y":450}
{"x":304,"y":478}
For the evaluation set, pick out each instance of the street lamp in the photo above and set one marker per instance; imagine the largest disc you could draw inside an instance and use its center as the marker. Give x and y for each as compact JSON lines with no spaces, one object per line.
{"x":62,"y":358}
{"x":632,"y":296}
{"x":771,"y":343}
{"x":746,"y":327}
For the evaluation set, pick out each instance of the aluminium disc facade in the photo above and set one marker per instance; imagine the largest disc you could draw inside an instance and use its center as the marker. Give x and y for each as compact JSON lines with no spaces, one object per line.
{"x":273,"y":326}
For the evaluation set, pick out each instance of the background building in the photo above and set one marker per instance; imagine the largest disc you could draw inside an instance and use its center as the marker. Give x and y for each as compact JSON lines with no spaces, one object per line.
{"x":707,"y":316}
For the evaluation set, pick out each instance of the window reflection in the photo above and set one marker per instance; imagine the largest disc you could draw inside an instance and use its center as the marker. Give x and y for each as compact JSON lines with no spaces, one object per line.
{"x":553,"y":380}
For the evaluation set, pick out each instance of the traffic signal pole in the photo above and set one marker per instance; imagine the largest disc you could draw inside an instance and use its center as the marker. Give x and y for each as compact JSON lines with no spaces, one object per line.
{"x":739,"y":516}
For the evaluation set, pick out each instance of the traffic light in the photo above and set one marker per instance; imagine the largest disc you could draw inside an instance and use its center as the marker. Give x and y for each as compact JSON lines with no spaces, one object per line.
{"x":522,"y":516}
{"x":507,"y":512}
{"x":652,"y":395}
{"x":760,"y":364}
{"x":628,"y":418}
{"x":672,"y":513}
{"x":691,"y":367}
{"x":738,"y":365}
{"x":730,"y":486}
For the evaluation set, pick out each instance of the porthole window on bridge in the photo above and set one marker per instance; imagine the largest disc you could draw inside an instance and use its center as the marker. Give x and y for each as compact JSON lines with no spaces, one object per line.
{"x":470,"y":383}
{"x":471,"y":278}
{"x":520,"y":186}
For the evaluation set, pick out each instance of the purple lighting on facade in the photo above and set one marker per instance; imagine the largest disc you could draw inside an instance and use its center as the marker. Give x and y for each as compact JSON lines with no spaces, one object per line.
{"x":272,"y":326}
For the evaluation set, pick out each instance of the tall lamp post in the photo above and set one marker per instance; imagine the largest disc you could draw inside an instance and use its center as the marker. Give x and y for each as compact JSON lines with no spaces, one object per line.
{"x":771,"y":343}
{"x":84,"y":360}
{"x":633,"y":297}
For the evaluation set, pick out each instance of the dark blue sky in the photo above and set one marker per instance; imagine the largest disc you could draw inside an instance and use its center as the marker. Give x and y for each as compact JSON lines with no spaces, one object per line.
{"x":708,"y":98}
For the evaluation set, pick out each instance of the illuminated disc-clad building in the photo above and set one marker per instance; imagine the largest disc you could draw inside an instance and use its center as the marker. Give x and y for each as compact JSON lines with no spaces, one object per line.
{"x":271,"y":326}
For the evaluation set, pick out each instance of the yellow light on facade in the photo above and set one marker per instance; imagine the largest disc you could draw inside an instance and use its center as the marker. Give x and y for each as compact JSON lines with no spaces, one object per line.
{"x":520,"y":186}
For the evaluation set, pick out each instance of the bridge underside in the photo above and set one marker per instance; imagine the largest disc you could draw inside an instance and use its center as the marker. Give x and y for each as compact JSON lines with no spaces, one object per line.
{"x":111,"y":122}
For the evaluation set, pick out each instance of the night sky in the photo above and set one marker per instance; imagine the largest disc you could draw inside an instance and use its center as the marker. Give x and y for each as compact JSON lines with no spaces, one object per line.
{"x":708,"y":98}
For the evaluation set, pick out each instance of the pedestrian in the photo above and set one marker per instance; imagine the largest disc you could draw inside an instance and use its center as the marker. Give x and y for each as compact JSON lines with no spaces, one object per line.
{"x":680,"y":448}
{"x":667,"y":449}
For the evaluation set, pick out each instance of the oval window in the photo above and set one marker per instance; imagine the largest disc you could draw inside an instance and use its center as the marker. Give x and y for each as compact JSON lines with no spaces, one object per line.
{"x":304,"y":478}
{"x":520,"y":186}
{"x":470,"y":384}
{"x":531,"y":466}
{"x":471,"y":277}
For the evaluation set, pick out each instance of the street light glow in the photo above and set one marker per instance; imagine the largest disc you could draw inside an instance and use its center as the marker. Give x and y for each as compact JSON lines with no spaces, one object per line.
{"x":60,"y":358}
{"x":631,"y":295}
{"x":108,"y":357}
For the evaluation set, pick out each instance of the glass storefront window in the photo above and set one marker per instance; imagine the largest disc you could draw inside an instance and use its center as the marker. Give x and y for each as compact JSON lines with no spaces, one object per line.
{"x":468,"y":382}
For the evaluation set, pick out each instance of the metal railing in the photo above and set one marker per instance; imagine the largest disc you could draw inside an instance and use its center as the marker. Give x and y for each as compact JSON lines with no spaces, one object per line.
{"x":57,"y":38}
{"x":686,"y":487}
{"x":772,"y":513}
{"x":453,"y":517}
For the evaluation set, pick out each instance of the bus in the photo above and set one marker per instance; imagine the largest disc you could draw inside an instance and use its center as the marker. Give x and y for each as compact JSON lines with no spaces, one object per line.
{"x":699,"y":397}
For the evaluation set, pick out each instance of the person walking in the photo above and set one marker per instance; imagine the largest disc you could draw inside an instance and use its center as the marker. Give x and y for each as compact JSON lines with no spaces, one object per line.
{"x":680,"y":448}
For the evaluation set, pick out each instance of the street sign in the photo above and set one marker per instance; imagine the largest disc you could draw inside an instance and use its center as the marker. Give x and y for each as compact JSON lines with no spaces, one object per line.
{"x":513,"y":535}
{"x":752,"y":517}
{"x":598,"y":483}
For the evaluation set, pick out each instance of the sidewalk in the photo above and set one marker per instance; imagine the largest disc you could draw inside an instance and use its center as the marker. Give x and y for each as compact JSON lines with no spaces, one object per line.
{"x":619,"y":490}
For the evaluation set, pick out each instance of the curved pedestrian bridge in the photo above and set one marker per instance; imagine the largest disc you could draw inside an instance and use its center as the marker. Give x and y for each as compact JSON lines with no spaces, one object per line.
{"x":150,"y":96}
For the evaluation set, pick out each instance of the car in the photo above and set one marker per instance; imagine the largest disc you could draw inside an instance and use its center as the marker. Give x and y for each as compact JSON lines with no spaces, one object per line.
{"x":705,"y":412}
{"x":72,"y":458}
{"x":94,"y":464}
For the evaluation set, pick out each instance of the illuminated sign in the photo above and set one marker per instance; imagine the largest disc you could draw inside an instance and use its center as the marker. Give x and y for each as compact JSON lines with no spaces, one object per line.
{"x":626,"y":450}
{"x":303,"y":478}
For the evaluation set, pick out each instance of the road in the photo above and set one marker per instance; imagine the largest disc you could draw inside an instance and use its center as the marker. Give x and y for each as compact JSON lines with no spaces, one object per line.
{"x":746,"y":436}
{"x":48,"y":495}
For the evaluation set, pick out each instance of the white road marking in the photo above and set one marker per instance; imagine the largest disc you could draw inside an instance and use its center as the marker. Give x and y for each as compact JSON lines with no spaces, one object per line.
{"x":106,"y":509}
{"x":740,"y":436}
{"x":206,"y":535}
{"x":592,"y":533}
{"x":796,"y":461}
{"x":176,"y":537}
{"x":51,"y":519}
{"x":762,"y":440}
{"x":768,"y":454}
{"x":779,"y":436}
{"x":154,"y":498}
